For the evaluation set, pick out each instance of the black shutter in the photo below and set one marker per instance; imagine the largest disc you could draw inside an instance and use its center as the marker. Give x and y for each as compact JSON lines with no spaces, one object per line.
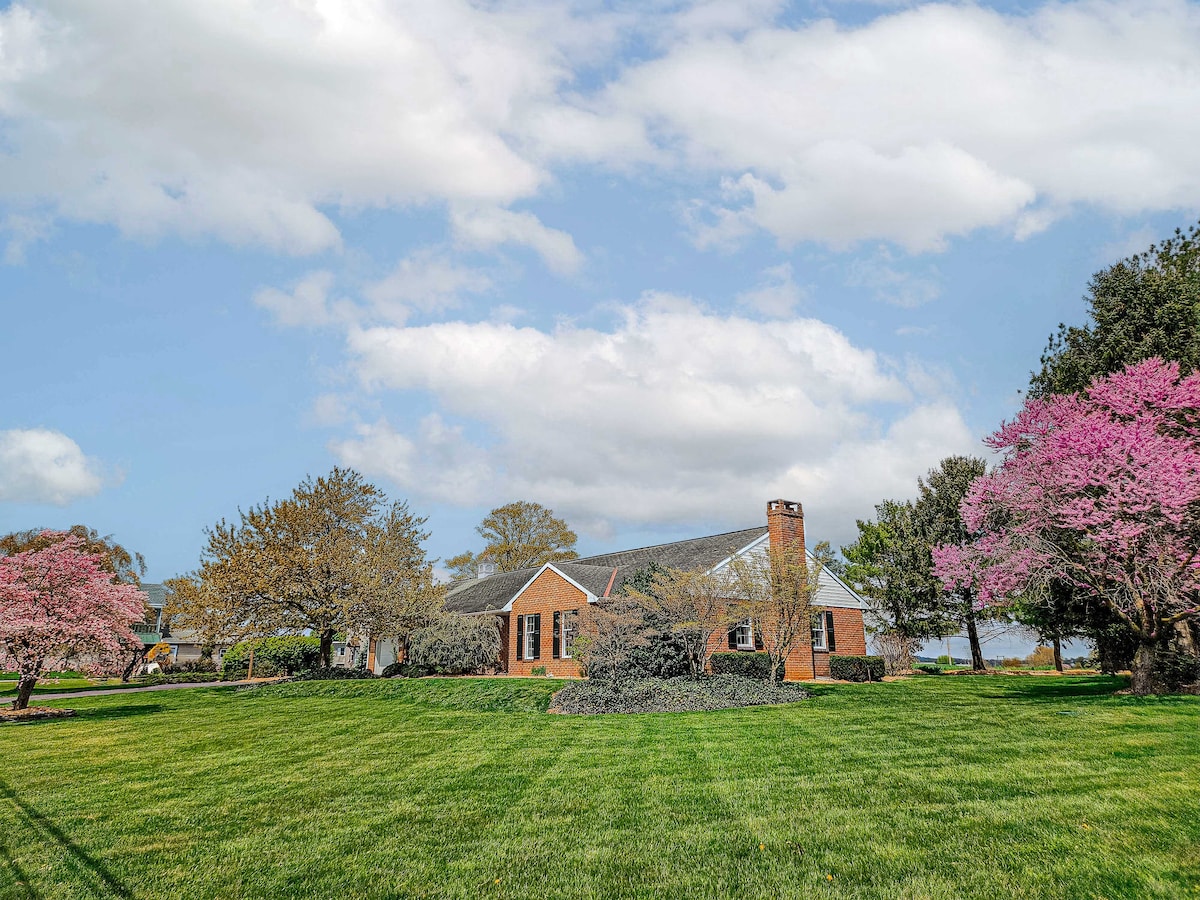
{"x":537,"y":635}
{"x":829,"y":642}
{"x":557,"y":633}
{"x":733,"y":639}
{"x":758,"y":639}
{"x":520,"y":637}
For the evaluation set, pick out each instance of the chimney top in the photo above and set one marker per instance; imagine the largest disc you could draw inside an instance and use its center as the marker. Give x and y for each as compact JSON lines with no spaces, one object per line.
{"x":788,"y":507}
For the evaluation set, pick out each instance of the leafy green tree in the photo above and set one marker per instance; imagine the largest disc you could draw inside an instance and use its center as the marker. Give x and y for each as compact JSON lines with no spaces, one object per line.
{"x":1143,"y":306}
{"x":334,"y":556}
{"x":518,"y":535}
{"x":936,"y":514}
{"x":891,"y":568}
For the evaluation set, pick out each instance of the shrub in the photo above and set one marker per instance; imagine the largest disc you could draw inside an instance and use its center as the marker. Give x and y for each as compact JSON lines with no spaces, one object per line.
{"x":1176,"y":670}
{"x":196,"y":665}
{"x":286,"y":654}
{"x":945,"y":660}
{"x":176,"y":678}
{"x":645,"y":695}
{"x":406,"y":670}
{"x":928,"y":669}
{"x":333,"y":673}
{"x":1041,"y":658}
{"x":537,"y":670}
{"x":747,"y":665}
{"x":856,"y":668}
{"x":456,"y":645}
{"x":1011,"y":662}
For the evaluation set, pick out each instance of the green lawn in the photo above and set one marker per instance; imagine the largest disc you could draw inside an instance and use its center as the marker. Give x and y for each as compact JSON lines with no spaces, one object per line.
{"x":930,"y":788}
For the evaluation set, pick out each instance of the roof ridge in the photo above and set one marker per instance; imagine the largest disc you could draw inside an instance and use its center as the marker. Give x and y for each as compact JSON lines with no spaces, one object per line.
{"x":671,"y":543}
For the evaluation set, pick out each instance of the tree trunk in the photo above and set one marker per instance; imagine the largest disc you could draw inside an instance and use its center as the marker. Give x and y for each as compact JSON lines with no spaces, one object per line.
{"x":977,"y":662}
{"x":1058,"y":666}
{"x":24,"y":691}
{"x":1143,"y":680}
{"x":1184,"y":639}
{"x":326,"y":647}
{"x":138,"y":656}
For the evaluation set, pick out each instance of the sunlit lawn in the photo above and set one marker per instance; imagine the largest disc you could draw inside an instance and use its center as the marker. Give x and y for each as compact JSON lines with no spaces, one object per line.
{"x":950,"y":787}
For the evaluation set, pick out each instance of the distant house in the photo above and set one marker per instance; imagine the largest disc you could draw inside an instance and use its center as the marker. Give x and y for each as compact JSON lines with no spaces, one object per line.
{"x":184,"y":643}
{"x":537,"y":607}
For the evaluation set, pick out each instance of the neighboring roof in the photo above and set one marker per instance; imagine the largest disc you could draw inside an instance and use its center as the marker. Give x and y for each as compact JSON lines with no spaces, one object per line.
{"x":595,"y":573}
{"x":156,"y":594}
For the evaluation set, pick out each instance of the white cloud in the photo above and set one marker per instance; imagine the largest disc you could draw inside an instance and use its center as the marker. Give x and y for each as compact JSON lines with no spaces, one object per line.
{"x":425,"y":281}
{"x":932,"y":122}
{"x":306,"y":305}
{"x":38,"y":465}
{"x":673,"y":414}
{"x":491,"y":227}
{"x":249,"y":121}
{"x":777,"y":294}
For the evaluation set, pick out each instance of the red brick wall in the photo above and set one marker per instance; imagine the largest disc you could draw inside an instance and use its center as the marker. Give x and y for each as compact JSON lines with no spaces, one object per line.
{"x":550,"y":593}
{"x":848,"y":636}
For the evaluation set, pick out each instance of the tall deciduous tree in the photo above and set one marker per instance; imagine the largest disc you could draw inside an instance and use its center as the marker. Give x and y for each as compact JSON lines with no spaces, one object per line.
{"x":774,"y":589}
{"x":60,"y":602}
{"x":937,"y":513}
{"x":124,"y":565}
{"x":1145,"y":306}
{"x":890,"y":566}
{"x":195,"y":605}
{"x":335,"y":556}
{"x":1100,"y":490}
{"x":518,"y":535}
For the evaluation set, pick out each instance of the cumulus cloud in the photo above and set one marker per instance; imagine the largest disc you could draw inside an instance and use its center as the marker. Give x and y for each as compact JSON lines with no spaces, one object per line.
{"x":777,"y":294}
{"x":674,"y":413}
{"x":306,"y":305}
{"x":38,"y":465}
{"x":258,"y":122}
{"x":932,"y":122}
{"x":892,"y":283}
{"x":425,"y":281}
{"x":487,"y":228}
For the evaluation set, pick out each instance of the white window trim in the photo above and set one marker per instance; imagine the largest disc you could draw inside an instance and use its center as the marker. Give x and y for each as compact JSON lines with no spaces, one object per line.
{"x":564,"y":650}
{"x":748,"y":644}
{"x":527,"y":642}
{"x":819,"y":630}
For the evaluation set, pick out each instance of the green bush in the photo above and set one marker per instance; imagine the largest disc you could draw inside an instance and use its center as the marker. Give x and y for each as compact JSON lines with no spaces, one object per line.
{"x":928,"y":669}
{"x":747,"y":665}
{"x":176,"y":678}
{"x":333,"y":673}
{"x":196,"y":665}
{"x":406,"y":670}
{"x":285,"y":654}
{"x":856,"y":668}
{"x":456,"y":645}
{"x":1176,"y":670}
{"x":646,"y":695}
{"x":945,"y":660}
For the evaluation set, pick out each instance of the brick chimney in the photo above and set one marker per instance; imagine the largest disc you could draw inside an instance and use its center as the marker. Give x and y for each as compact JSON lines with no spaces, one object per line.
{"x":785,"y":521}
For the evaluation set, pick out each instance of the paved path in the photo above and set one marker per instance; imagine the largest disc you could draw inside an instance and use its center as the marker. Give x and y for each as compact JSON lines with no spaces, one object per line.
{"x":71,"y":695}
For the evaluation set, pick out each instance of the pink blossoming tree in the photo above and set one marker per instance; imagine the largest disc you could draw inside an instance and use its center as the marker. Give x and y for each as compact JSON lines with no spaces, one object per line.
{"x":58,"y":603}
{"x":1100,"y":490}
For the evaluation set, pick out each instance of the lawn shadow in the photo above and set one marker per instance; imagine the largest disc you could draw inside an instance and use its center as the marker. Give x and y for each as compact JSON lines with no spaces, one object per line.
{"x":20,"y":879}
{"x":118,"y":712}
{"x":1093,"y":688}
{"x":38,"y":822}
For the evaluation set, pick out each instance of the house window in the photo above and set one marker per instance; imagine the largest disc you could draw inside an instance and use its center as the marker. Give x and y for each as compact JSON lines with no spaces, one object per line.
{"x":533,"y":635}
{"x":820,"y":639}
{"x":569,"y":628}
{"x":744,"y":636}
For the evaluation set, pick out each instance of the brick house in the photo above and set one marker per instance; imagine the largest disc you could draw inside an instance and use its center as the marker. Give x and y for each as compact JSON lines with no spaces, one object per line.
{"x":537,"y":607}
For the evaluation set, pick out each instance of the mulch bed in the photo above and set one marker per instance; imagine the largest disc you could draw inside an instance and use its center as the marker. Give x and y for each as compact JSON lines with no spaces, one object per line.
{"x":33,"y":714}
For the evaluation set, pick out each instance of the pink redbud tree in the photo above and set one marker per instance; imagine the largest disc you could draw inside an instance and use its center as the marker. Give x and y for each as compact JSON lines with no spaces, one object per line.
{"x":58,"y":604}
{"x":1099,"y":489}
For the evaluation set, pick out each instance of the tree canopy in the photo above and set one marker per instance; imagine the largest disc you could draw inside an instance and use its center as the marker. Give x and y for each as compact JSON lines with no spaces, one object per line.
{"x":518,"y":535}
{"x":1100,"y":490}
{"x":1147,"y":305}
{"x":59,"y":602}
{"x":334,"y":556}
{"x":124,"y":565}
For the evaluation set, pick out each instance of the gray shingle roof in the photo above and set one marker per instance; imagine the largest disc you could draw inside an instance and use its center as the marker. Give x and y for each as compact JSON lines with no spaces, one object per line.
{"x":595,"y":572}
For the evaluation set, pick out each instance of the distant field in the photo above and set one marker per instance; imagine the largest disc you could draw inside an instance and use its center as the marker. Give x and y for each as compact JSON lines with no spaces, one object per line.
{"x":964,"y":787}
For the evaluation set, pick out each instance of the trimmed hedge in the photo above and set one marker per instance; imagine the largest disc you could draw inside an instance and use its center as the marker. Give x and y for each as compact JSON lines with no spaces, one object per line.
{"x":928,"y":669}
{"x":747,"y":665}
{"x":646,"y":695}
{"x":856,"y":668}
{"x":176,"y":678}
{"x":282,"y":655}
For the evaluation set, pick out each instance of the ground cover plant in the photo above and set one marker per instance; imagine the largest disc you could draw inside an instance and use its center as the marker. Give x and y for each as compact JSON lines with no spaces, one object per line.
{"x":683,"y":694}
{"x":930,"y":788}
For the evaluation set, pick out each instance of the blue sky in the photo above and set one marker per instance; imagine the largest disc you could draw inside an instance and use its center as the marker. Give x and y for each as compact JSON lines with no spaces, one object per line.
{"x":651,"y":264}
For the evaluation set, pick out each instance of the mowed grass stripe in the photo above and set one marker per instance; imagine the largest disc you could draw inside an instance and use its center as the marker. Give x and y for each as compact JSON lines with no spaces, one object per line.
{"x":952,"y":787}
